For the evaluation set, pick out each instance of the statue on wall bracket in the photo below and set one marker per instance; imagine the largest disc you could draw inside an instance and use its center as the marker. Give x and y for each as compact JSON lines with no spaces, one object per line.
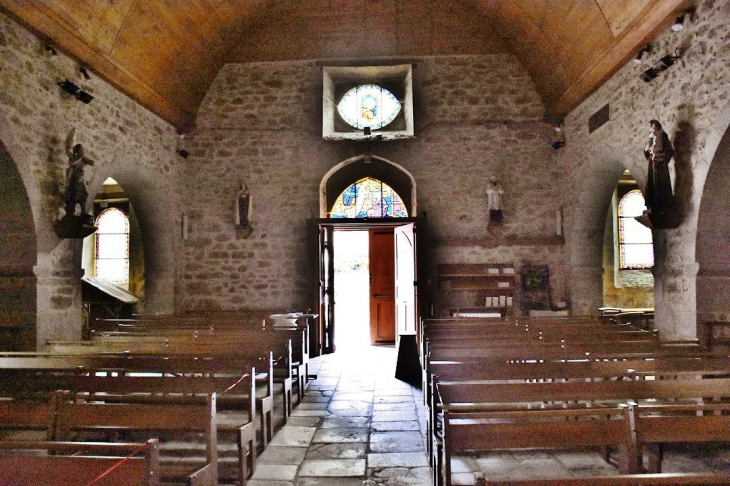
{"x":494,"y":201}
{"x":662,"y":211}
{"x":75,"y":194}
{"x":243,"y":212}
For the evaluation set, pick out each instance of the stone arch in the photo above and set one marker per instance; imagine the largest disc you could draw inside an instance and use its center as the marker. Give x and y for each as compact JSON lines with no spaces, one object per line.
{"x":160,"y":232}
{"x":585,"y":231}
{"x":350,"y":170}
{"x":18,"y":245}
{"x":713,"y":227}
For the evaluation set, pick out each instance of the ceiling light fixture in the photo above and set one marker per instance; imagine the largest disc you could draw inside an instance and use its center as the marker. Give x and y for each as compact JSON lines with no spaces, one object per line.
{"x":659,"y":66}
{"x":72,"y":89}
{"x":640,"y":54}
{"x":678,"y":24}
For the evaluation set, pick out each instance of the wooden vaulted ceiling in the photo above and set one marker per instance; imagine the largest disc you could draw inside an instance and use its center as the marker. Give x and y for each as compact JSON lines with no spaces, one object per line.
{"x":166,"y":53}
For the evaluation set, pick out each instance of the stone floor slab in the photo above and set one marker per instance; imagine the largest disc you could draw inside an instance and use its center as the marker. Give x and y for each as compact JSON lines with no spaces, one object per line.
{"x":350,"y":450}
{"x":384,"y":426}
{"x":293,"y":436}
{"x":345,"y":422}
{"x":282,"y":455}
{"x":276,"y":472}
{"x":340,"y":435}
{"x":333,"y":468}
{"x":402,"y":459}
{"x":394,"y":441}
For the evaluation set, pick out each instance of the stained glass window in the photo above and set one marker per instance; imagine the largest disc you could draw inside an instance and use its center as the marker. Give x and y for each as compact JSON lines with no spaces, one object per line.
{"x":368,"y":105}
{"x":369,"y":198}
{"x":112,"y":246}
{"x":635,"y":241}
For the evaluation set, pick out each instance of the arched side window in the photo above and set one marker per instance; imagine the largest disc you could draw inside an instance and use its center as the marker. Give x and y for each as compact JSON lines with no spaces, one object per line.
{"x":636,"y":247}
{"x":111,"y":259}
{"x":369,"y":198}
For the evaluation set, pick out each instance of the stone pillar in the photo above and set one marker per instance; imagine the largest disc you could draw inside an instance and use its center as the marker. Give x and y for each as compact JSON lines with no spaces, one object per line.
{"x":675,"y":300}
{"x":17,"y":311}
{"x":586,"y":290}
{"x":59,"y":307}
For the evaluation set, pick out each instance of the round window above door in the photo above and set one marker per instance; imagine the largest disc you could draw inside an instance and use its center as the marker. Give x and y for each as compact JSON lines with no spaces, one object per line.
{"x":369,"y":105}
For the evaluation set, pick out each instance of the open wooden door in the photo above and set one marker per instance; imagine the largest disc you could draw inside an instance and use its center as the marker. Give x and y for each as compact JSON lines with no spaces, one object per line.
{"x":405,"y":280}
{"x":382,"y":286}
{"x":326,"y":288}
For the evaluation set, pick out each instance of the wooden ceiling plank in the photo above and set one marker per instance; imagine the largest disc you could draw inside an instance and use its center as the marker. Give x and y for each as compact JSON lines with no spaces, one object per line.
{"x":657,"y":17}
{"x":538,"y":54}
{"x":622,"y":14}
{"x":96,"y":22}
{"x":68,"y":42}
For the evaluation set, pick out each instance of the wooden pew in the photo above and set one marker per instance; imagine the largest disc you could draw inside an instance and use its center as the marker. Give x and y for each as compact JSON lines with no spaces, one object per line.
{"x":463,"y":403}
{"x":148,"y":380}
{"x":693,"y":479}
{"x":249,"y":344}
{"x":75,"y":419}
{"x":115,"y":462}
{"x":657,"y":425}
{"x":226,"y":329}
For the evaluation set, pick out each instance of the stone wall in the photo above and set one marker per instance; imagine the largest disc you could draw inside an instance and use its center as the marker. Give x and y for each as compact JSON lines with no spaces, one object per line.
{"x":691,"y":101}
{"x":125,"y":140}
{"x":261,"y":123}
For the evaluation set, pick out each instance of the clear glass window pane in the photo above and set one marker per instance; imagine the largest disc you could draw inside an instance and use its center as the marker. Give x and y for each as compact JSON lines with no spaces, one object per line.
{"x":636,"y":249}
{"x":112,"y":246}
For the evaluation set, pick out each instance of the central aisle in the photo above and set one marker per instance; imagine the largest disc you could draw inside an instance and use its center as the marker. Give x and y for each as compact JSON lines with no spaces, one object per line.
{"x":356,"y":425}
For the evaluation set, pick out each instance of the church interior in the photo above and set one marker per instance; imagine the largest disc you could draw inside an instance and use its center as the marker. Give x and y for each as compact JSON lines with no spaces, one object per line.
{"x":534,"y":182}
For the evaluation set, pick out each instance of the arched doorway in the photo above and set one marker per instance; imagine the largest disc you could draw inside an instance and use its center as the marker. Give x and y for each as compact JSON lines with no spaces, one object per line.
{"x":18,"y":246}
{"x":376,"y":198}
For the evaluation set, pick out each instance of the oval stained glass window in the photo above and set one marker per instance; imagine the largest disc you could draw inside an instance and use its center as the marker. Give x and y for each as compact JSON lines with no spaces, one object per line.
{"x":368,"y":105}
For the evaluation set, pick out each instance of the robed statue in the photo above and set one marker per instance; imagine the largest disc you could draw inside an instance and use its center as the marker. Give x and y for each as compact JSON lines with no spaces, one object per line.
{"x":658,"y":152}
{"x":76,"y":192}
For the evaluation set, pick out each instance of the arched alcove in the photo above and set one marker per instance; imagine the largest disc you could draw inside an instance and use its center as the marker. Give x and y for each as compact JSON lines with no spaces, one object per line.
{"x":355,"y":168}
{"x":113,"y":197}
{"x":629,"y":283}
{"x":713,"y":239}
{"x":586,"y":229}
{"x":159,"y":232}
{"x":18,"y":247}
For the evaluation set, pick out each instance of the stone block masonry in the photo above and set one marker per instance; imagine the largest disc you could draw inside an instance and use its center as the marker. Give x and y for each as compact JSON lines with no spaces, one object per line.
{"x":261,"y":123}
{"x":125,"y":140}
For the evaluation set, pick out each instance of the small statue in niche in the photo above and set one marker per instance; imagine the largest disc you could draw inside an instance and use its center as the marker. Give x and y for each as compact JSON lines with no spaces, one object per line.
{"x":76,"y":192}
{"x":494,"y":201}
{"x":243,"y":210}
{"x":658,"y":151}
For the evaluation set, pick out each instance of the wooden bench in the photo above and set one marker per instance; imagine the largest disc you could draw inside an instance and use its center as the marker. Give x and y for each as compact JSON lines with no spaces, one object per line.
{"x":474,"y":414}
{"x":148,"y":380}
{"x":293,"y":365}
{"x":693,"y":479}
{"x":249,"y":345}
{"x":61,"y":465}
{"x":150,"y":420}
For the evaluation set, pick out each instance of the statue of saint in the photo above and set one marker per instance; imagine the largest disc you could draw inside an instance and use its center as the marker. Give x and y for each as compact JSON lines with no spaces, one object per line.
{"x":76,"y":192}
{"x":243,"y":207}
{"x":494,"y":200}
{"x":658,"y":152}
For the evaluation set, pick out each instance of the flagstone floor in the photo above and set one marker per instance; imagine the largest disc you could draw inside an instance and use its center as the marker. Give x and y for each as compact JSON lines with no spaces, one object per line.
{"x":357,"y":425}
